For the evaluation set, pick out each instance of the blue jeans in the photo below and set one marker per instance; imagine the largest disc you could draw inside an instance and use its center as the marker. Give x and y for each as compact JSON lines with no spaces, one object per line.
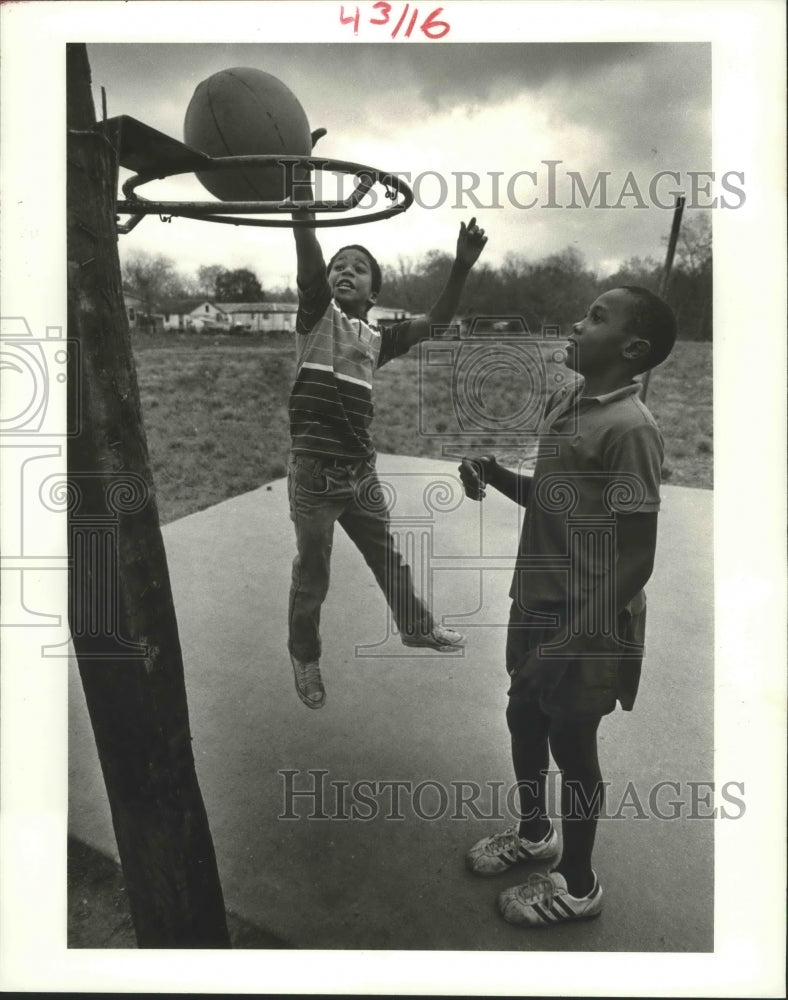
{"x":323,"y":491}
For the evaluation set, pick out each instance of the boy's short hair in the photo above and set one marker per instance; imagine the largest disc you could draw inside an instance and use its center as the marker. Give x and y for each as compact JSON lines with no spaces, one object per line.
{"x":654,"y":320}
{"x":377,"y":276}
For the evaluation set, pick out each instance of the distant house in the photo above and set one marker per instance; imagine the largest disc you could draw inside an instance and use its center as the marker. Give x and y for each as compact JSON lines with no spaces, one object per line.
{"x":387,"y":314}
{"x":134,"y":310}
{"x":471,"y":324}
{"x":265,"y":317}
{"x":193,"y":314}
{"x":262,"y":317}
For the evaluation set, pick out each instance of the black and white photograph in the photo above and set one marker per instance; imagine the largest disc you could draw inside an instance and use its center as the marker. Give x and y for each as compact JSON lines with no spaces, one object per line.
{"x":393,"y":466}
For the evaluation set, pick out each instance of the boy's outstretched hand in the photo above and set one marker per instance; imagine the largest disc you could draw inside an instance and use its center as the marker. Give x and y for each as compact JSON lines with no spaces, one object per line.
{"x":470,"y":243}
{"x":303,"y":187}
{"x":475,"y":474}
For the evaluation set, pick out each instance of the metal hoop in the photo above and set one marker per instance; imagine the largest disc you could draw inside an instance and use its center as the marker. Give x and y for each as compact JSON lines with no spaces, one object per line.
{"x":214,"y":211}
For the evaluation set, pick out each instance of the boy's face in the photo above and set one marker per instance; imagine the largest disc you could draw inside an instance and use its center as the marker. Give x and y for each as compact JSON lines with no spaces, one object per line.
{"x":350,"y":280}
{"x":603,"y":338}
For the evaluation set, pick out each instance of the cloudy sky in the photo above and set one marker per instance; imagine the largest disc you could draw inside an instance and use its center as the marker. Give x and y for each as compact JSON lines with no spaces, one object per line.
{"x":485,"y":108}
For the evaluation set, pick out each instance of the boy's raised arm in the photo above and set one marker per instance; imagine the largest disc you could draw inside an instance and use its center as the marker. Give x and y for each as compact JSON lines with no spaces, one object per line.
{"x":470,"y":243}
{"x":308,"y":251}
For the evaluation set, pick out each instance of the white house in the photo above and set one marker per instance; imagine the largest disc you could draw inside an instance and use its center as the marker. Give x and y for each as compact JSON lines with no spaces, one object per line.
{"x":262,"y":317}
{"x":135,"y":309}
{"x":193,"y":314}
{"x":387,"y":314}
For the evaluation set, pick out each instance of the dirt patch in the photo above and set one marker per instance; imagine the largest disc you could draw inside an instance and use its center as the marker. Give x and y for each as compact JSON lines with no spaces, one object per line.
{"x":98,"y":909}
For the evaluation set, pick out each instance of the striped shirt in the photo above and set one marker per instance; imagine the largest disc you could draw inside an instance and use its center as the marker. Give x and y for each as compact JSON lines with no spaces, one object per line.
{"x":331,"y":401}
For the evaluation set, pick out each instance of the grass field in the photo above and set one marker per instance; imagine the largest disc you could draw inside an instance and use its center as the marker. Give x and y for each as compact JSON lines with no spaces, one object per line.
{"x":215,"y":414}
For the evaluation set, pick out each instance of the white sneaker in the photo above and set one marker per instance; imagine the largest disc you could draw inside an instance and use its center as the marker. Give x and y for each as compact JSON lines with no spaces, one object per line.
{"x":308,"y":682}
{"x":544,"y":900}
{"x":498,"y":853}
{"x":440,"y":638}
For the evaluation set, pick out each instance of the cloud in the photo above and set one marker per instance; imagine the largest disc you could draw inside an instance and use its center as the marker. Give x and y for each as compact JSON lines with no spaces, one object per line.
{"x":400,"y":80}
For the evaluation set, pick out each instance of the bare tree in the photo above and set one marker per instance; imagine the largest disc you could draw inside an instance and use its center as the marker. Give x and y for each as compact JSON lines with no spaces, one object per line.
{"x":208,"y":277}
{"x":690,"y":290}
{"x":694,"y":251}
{"x":152,"y":277}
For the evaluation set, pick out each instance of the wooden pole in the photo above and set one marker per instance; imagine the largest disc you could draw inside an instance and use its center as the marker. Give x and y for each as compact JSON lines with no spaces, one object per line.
{"x":121,"y":610}
{"x":678,"y":211}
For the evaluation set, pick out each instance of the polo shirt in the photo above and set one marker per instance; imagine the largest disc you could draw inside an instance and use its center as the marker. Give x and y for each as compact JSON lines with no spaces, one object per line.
{"x":330,"y":405}
{"x":598,"y":458}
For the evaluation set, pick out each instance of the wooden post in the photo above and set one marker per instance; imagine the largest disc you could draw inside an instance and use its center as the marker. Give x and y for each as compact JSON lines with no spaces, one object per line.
{"x":678,"y":211}
{"x":121,"y":611}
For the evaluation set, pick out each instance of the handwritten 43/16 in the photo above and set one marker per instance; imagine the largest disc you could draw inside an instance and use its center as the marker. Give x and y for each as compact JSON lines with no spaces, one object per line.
{"x":386,"y":13}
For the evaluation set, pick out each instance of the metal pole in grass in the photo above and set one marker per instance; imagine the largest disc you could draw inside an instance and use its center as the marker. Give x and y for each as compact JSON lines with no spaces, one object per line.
{"x":678,"y":211}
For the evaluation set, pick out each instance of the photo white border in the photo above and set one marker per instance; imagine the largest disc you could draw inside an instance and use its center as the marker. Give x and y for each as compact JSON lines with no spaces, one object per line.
{"x":748,"y":60}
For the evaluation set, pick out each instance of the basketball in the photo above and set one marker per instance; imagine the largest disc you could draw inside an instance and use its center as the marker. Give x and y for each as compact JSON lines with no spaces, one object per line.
{"x":244,"y":112}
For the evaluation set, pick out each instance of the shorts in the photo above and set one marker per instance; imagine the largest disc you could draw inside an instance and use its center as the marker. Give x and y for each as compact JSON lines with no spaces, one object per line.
{"x":591,"y":684}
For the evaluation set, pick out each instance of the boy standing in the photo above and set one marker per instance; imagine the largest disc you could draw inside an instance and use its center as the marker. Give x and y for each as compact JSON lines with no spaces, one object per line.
{"x":331,"y":474}
{"x":577,"y":621}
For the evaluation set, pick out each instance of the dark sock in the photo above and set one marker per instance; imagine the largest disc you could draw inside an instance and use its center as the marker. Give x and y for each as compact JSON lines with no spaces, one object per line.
{"x":578,"y":884}
{"x":534,"y":829}
{"x":574,"y":747}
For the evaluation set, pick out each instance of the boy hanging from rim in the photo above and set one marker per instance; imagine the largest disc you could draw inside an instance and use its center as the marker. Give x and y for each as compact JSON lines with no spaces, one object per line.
{"x":331,"y":472}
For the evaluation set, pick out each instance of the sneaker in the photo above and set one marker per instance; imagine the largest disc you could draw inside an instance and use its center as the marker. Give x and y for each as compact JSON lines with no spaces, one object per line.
{"x":440,"y":638}
{"x":309,"y":683}
{"x":544,"y":900}
{"x":498,"y":853}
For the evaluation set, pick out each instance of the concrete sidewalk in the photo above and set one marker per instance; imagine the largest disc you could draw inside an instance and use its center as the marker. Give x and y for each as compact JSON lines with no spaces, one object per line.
{"x":431,"y":721}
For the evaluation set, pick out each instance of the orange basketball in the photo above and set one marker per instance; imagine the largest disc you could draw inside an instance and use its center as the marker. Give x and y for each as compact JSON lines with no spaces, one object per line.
{"x":242,"y":112}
